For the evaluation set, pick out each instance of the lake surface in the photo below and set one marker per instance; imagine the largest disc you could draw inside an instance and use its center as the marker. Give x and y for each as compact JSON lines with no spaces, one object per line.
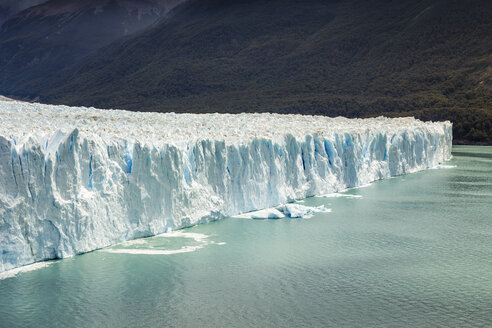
{"x":413,"y":251}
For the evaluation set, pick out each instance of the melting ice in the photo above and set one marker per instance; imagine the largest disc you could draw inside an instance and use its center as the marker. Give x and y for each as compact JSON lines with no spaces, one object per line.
{"x":77,"y":179}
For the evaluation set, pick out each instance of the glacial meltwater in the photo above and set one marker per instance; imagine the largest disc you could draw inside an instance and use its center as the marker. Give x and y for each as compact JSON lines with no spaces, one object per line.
{"x":412,"y":251}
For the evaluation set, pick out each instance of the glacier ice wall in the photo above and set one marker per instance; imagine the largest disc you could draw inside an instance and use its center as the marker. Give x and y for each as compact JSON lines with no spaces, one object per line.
{"x":76,"y":179}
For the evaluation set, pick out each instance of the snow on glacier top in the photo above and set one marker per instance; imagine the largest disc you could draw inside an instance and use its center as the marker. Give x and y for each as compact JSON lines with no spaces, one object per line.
{"x":20,"y":121}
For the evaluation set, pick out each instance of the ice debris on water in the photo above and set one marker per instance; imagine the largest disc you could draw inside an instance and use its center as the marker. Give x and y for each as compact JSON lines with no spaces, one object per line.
{"x":268,"y":213}
{"x":284,"y":211}
{"x":301,"y":211}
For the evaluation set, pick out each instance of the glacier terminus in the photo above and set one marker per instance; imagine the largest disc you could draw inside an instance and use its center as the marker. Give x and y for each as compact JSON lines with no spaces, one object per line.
{"x":73,"y":180}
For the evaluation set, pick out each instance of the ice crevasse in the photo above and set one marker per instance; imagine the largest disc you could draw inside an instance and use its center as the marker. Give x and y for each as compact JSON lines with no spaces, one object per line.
{"x":77,"y":179}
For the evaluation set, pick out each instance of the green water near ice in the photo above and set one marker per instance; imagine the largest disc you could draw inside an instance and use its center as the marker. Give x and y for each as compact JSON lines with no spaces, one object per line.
{"x":414,"y":251}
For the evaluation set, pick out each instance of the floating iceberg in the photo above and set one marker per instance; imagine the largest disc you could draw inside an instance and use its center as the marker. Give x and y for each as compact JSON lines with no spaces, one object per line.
{"x":301,"y":211}
{"x":284,"y":211}
{"x":267,"y":213}
{"x":77,"y":179}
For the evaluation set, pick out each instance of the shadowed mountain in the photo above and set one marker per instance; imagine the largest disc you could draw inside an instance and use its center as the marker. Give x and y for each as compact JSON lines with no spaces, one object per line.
{"x":427,"y":58}
{"x":40,"y":41}
{"x":9,"y":8}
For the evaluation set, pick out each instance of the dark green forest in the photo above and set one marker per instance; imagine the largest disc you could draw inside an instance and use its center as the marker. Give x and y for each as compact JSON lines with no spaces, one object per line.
{"x":428,"y":59}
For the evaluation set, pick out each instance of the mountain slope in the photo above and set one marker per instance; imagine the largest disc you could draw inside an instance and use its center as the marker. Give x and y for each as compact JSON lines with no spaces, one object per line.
{"x":428,"y":58}
{"x":40,"y":41}
{"x":9,"y":8}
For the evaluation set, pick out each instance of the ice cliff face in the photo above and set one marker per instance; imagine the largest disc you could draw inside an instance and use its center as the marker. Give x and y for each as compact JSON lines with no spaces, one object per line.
{"x":76,"y":179}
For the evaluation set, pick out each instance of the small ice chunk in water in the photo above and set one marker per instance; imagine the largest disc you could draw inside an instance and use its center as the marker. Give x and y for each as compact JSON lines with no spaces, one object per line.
{"x":283,"y":211}
{"x":301,"y":211}
{"x":268,"y":213}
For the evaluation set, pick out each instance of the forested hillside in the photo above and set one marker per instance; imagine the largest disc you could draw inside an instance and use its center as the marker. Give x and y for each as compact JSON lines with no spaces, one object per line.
{"x":430,"y":59}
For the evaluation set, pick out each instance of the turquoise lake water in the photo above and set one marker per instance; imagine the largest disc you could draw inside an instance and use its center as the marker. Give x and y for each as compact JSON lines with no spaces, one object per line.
{"x":413,"y":251}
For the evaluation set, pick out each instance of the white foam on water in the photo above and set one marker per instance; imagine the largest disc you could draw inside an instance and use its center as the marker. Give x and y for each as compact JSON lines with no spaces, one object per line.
{"x":134,"y":251}
{"x":27,"y":268}
{"x":441,"y":166}
{"x":336,"y":195}
{"x":134,"y":242}
{"x":198,"y":237}
{"x":363,"y":186}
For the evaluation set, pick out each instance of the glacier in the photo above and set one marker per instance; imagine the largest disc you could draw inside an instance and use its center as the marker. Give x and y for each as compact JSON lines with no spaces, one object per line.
{"x":73,"y":180}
